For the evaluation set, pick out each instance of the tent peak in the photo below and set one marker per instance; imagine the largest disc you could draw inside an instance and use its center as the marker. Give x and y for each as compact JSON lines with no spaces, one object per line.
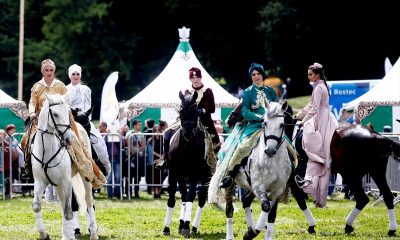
{"x":184,"y":34}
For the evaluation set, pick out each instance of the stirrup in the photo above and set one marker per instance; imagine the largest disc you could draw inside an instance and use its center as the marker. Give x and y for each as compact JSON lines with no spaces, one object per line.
{"x":299,"y":181}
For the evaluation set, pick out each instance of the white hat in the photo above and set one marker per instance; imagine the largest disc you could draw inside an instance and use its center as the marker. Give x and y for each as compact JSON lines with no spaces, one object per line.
{"x":74,"y":68}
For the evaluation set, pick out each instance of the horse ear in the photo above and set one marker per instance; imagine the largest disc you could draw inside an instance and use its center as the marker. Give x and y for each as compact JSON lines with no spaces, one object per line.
{"x":284,"y":106}
{"x":89,"y":111}
{"x":74,"y":111}
{"x":266,"y":103}
{"x":181,"y":95}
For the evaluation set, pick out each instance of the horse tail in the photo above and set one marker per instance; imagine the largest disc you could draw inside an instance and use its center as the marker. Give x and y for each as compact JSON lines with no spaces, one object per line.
{"x":79,"y":190}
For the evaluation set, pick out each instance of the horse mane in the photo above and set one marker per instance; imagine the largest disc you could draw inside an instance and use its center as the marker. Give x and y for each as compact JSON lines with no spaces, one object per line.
{"x":273,"y":109}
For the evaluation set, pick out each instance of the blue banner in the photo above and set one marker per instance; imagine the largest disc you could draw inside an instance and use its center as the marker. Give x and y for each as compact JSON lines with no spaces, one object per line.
{"x":342,"y":92}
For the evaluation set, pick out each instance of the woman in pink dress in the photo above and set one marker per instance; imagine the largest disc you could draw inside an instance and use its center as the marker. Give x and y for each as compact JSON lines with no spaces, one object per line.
{"x":319,"y":125}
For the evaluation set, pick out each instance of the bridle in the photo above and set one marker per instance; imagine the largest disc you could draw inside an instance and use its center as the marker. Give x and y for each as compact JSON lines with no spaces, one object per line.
{"x":279,"y":139}
{"x":60,"y":136}
{"x":186,"y":123}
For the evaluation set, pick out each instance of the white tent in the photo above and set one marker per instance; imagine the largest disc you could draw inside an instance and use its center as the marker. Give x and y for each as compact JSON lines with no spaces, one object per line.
{"x":385,"y":93}
{"x":163,"y":91}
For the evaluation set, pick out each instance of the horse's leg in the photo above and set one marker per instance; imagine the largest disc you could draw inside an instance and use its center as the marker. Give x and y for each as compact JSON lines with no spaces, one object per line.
{"x":90,"y":214}
{"x":380,"y":180}
{"x":299,"y":196}
{"x":172,"y":181}
{"x":64,"y":191}
{"x":271,"y":221}
{"x":75,"y":213}
{"x":229,"y":211}
{"x":186,"y":208}
{"x":247,"y":199}
{"x":355,"y":184}
{"x":39,"y":188}
{"x":266,"y":206}
{"x":202,"y":198}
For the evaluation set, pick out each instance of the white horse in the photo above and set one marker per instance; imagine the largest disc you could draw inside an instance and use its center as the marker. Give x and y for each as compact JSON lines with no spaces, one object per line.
{"x":51,"y":164}
{"x":265,"y":176}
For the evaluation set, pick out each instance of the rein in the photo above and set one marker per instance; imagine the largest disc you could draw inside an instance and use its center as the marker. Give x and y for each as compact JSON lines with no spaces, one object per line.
{"x":59,"y":135}
{"x":46,"y":166}
{"x":68,"y":126}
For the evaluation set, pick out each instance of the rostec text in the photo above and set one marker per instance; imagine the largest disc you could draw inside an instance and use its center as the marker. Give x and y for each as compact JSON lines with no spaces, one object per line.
{"x":344,"y":92}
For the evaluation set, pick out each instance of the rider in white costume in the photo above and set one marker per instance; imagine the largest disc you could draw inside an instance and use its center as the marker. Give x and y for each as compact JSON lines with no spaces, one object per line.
{"x":80,"y":97}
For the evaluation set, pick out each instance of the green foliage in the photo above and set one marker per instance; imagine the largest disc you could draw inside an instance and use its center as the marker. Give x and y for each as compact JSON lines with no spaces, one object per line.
{"x":143,"y":219}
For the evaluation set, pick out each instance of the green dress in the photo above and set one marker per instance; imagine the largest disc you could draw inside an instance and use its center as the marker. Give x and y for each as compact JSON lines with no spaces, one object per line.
{"x":245,"y":134}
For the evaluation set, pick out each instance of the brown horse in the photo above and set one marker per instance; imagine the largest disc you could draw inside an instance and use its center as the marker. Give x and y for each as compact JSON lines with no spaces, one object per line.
{"x":357,"y":151}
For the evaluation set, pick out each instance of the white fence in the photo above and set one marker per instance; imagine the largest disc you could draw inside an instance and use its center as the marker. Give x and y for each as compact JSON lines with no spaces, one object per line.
{"x":134,"y":164}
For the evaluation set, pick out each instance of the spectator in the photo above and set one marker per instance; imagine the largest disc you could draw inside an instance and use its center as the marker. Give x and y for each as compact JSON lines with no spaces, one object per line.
{"x":137,"y":151}
{"x":17,"y":154}
{"x":114,"y":143}
{"x":149,"y":152}
{"x":156,"y":174}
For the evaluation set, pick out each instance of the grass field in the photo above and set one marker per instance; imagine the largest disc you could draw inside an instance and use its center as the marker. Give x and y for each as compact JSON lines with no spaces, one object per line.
{"x":143,"y":219}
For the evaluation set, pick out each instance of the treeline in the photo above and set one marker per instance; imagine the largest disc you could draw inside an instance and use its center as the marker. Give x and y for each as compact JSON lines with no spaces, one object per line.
{"x":138,"y":38}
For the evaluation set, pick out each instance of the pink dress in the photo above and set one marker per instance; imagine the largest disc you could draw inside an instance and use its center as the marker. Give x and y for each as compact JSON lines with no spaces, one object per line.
{"x":319,"y":126}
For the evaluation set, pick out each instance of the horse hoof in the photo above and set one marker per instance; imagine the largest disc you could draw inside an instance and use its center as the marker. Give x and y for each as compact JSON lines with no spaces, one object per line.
{"x":186,"y":232}
{"x":94,"y":236}
{"x":194,"y":230}
{"x":311,"y":229}
{"x":166,"y":231}
{"x":348,"y":229}
{"x":250,"y":234}
{"x":181,"y":224}
{"x":44,"y":235}
{"x":391,"y":233}
{"x":77,"y":232}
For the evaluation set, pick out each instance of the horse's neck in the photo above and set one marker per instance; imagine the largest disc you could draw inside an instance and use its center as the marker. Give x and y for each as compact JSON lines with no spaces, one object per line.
{"x":46,"y":141}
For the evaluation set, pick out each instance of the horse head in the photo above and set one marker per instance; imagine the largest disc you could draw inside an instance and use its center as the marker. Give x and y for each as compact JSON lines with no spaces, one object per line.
{"x":54,"y":117}
{"x":189,"y":114}
{"x":82,"y":118}
{"x":274,"y":126}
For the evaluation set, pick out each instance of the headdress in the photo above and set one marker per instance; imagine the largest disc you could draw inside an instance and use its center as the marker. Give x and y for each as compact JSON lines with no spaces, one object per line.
{"x":47,"y":62}
{"x":258,"y":67}
{"x":317,"y":65}
{"x":194,"y":72}
{"x":9,"y":127}
{"x":74,"y":68}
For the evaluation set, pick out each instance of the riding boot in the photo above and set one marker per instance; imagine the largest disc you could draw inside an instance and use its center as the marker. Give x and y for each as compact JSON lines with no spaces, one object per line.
{"x":227,"y":181}
{"x":27,"y":174}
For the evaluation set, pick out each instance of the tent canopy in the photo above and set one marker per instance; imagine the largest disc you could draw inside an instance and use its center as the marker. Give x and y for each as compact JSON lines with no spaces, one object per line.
{"x":385,"y":93}
{"x":12,"y":111}
{"x":163,"y":91}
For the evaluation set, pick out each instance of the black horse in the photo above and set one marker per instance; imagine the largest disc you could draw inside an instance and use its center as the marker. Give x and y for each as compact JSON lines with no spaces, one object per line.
{"x":186,"y":161}
{"x":357,"y":151}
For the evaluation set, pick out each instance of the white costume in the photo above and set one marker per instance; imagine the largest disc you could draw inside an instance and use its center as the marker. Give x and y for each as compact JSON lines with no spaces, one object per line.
{"x":80,"y":97}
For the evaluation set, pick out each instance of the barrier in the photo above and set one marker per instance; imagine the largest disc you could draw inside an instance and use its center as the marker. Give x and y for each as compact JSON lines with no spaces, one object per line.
{"x":130,"y":174}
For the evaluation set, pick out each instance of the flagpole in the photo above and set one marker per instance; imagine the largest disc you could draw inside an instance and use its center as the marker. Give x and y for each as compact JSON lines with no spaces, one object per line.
{"x":21,"y":49}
